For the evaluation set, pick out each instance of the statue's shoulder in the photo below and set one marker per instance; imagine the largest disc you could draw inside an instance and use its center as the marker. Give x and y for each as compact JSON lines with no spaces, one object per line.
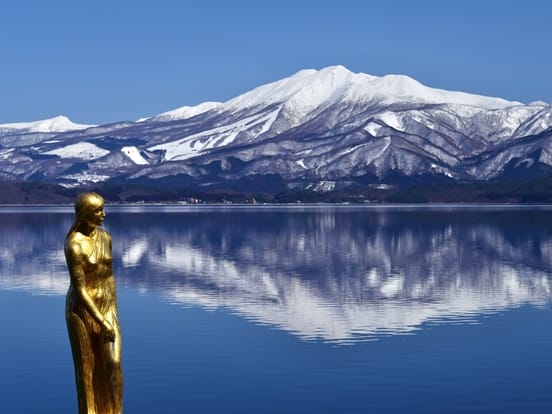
{"x":103,"y":233}
{"x":74,"y":243}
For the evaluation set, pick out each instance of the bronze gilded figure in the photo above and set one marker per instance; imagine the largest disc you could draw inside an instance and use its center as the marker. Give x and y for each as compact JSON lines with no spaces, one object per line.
{"x":91,"y":310}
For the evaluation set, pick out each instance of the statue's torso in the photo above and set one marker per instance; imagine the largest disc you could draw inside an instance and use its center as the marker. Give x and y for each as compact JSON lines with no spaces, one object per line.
{"x":97,"y":264}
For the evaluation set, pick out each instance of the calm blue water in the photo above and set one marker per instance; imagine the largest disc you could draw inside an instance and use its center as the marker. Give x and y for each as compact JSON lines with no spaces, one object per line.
{"x":294,"y":309}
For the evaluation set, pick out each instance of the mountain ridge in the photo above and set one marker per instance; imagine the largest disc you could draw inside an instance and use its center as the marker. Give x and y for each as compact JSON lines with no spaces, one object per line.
{"x":59,"y":123}
{"x":316,"y":126}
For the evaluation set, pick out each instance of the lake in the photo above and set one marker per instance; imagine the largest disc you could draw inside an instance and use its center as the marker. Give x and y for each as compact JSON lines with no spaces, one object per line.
{"x":294,"y":309}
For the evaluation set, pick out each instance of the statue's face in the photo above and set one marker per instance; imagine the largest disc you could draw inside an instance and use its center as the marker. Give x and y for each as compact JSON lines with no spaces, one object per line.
{"x":95,"y":211}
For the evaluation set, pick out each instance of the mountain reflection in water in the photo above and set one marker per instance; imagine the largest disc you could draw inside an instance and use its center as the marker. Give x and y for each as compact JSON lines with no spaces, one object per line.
{"x":327,"y":273}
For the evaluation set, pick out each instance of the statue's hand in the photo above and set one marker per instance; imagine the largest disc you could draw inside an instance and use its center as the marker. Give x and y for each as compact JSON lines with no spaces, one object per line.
{"x":108,"y":331}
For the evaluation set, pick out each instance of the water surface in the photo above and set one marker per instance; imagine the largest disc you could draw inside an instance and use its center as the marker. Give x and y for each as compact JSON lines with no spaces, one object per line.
{"x":272,"y":309}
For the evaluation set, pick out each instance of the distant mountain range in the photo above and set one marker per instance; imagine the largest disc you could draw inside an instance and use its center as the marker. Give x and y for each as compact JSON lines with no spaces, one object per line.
{"x":321,"y":130}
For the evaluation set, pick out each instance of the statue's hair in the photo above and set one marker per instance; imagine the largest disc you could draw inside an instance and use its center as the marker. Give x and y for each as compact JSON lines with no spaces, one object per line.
{"x":85,"y":204}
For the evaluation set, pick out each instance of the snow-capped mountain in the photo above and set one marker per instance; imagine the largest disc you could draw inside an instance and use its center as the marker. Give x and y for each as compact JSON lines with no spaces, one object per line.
{"x":57,"y":124}
{"x":328,"y":126}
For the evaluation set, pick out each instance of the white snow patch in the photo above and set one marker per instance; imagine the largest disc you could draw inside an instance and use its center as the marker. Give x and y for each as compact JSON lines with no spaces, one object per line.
{"x":134,"y":154}
{"x":441,"y":170}
{"x":391,"y":119}
{"x":301,"y":163}
{"x":81,"y":150}
{"x":373,"y":128}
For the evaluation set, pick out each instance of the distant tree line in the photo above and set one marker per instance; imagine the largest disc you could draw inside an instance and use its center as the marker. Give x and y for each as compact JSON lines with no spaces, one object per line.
{"x":529,"y":191}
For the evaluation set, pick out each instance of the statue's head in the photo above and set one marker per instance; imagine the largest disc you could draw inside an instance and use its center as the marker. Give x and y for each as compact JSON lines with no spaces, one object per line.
{"x":88,"y":206}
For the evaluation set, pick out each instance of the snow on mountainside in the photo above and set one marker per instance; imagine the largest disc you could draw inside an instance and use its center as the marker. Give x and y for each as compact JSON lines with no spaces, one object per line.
{"x":309,"y":88}
{"x":323,"y":128}
{"x":337,"y":101}
{"x":57,"y":124}
{"x":222,"y":136}
{"x":134,"y":154}
{"x":183,"y":112}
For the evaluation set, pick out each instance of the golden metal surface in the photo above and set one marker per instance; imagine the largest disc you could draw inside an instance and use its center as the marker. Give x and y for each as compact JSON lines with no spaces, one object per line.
{"x":91,"y":310}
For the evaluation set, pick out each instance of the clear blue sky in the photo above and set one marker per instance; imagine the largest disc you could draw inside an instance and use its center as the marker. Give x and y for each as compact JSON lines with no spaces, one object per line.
{"x":103,"y":61}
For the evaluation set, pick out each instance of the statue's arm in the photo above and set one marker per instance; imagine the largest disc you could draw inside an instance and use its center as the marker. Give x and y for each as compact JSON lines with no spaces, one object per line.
{"x":75,"y":259}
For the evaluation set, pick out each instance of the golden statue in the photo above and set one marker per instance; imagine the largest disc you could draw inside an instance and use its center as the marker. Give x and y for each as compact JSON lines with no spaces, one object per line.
{"x":91,"y":310}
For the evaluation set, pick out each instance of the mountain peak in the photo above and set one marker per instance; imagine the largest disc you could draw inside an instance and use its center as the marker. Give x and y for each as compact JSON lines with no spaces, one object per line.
{"x":57,"y":124}
{"x":310,"y":88}
{"x":306,"y":88}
